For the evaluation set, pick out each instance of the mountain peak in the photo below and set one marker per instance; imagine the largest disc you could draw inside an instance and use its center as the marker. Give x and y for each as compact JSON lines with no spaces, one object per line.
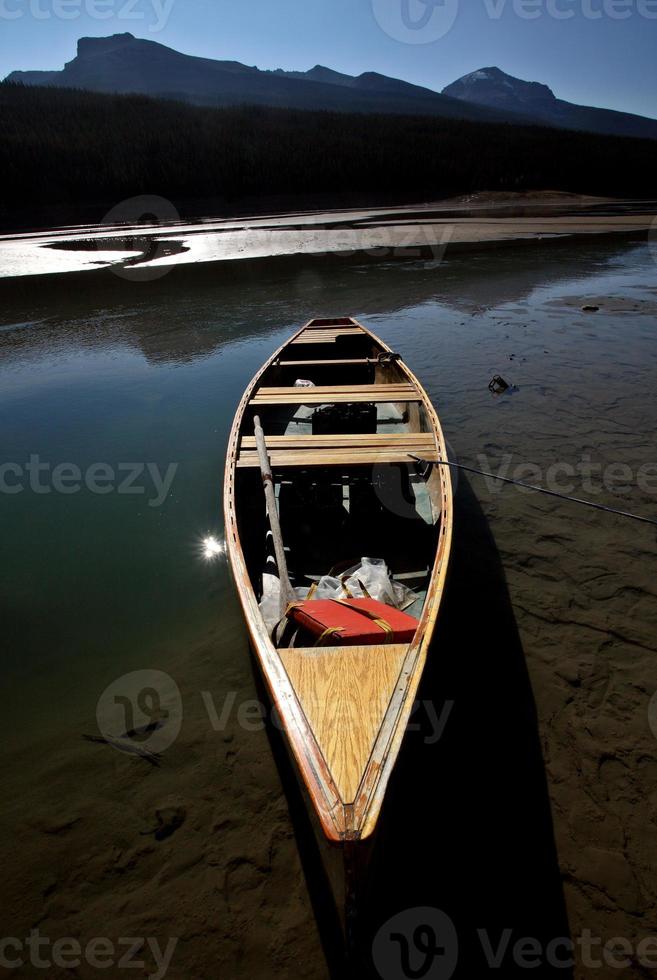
{"x":90,"y":46}
{"x":320,"y":73}
{"x":495,"y":88}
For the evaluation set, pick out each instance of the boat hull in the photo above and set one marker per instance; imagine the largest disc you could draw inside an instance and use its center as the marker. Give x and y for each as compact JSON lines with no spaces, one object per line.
{"x":315,"y":694}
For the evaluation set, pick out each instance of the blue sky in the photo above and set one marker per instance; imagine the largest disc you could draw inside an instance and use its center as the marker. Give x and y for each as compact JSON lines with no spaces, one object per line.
{"x":595,"y":52}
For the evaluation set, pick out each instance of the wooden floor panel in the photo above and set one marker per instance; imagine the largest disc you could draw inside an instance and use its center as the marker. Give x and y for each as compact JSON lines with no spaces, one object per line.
{"x":344,"y":693}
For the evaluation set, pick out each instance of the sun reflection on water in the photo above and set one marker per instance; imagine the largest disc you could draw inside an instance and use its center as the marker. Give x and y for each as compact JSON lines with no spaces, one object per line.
{"x":212,"y":548}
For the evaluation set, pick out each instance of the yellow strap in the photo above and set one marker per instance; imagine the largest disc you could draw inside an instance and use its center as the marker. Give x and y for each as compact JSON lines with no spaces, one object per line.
{"x":327,"y":632}
{"x":330,"y":631}
{"x":381,"y":623}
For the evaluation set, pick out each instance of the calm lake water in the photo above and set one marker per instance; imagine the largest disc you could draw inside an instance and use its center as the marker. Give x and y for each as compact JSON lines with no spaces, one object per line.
{"x":98,"y":370}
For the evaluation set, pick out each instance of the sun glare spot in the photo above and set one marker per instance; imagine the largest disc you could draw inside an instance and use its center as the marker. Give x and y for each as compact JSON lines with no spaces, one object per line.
{"x":212,"y":548}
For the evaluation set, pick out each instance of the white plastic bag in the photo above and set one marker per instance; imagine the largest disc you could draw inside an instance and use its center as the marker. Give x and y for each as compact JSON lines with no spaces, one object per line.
{"x":369,"y":579}
{"x":270,"y":603}
{"x":372,"y":578}
{"x":328,"y":587}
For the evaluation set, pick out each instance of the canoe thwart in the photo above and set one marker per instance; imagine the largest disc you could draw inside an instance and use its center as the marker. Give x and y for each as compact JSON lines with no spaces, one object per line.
{"x":332,"y":394}
{"x":336,"y":450}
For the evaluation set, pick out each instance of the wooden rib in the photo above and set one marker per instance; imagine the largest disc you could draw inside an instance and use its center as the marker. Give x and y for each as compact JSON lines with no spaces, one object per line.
{"x":344,"y":693}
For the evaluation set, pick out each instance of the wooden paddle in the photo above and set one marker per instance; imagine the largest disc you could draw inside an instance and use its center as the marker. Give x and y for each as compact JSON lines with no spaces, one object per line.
{"x":288,"y":594}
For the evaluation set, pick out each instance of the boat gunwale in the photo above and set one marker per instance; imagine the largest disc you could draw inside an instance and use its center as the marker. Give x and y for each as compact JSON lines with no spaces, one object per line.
{"x":340,"y":821}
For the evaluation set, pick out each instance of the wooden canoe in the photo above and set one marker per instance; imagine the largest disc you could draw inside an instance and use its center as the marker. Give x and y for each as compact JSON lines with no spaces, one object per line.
{"x":340,"y":496}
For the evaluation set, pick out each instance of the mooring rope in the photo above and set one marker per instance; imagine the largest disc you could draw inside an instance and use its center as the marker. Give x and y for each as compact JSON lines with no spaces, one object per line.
{"x":549,"y":493}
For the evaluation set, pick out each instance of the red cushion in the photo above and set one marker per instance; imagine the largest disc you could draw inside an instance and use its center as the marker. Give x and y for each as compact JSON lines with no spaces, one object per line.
{"x":350,"y":627}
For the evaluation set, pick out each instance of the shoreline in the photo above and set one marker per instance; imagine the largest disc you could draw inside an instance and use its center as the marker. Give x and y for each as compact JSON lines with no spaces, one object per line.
{"x":420,"y":231}
{"x":47,"y":219}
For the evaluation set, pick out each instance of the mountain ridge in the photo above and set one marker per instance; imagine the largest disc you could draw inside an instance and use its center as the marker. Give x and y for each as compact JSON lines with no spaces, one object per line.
{"x":122,"y":63}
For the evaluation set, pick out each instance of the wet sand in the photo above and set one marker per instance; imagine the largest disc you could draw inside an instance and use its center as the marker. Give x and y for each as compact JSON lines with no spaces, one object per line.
{"x":227,"y":883}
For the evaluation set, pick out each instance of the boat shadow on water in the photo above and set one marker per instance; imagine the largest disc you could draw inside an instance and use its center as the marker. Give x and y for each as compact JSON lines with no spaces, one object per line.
{"x":467,"y":826}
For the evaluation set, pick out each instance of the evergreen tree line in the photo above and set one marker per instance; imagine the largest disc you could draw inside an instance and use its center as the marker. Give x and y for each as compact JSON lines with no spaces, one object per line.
{"x":62,"y":146}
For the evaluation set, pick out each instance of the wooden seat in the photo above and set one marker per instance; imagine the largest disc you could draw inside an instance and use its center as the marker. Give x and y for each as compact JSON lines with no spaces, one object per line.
{"x":337,"y":450}
{"x":331,"y":394}
{"x":339,"y":321}
{"x":419,"y":440}
{"x":319,"y":362}
{"x":326,"y":335}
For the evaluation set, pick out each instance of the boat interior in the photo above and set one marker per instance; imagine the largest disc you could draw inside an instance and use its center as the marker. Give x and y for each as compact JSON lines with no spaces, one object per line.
{"x":353,"y":452}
